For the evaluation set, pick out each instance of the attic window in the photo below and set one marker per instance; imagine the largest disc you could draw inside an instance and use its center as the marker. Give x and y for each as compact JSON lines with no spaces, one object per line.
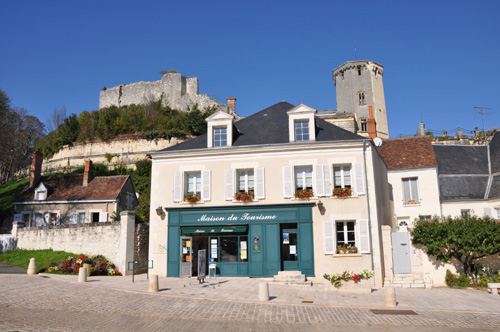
{"x":220,"y":136}
{"x":301,"y":130}
{"x":41,"y":193}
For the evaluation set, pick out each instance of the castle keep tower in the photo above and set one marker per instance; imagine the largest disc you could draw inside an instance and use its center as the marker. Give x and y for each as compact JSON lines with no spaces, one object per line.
{"x":359,"y":85}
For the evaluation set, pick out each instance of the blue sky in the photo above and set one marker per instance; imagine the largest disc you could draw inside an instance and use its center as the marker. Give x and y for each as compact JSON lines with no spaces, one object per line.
{"x":440,"y":58}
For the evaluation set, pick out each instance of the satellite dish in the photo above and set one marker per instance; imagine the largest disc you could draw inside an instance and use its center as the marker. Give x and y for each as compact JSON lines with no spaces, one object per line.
{"x":377,"y":141}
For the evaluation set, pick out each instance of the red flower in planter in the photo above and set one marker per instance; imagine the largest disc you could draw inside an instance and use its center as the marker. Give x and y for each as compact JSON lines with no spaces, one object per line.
{"x":356,"y":278}
{"x":342,"y":192}
{"x":304,"y":194}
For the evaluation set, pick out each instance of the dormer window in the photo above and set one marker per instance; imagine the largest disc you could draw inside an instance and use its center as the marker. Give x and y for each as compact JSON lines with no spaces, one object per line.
{"x":301,"y":130}
{"x":220,"y":130}
{"x":41,"y":193}
{"x":220,"y":136}
{"x":301,"y":124}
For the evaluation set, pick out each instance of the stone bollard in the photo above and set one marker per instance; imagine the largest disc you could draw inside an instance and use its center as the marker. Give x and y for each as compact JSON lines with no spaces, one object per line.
{"x":264,"y":291}
{"x":82,"y":274}
{"x":32,"y":266}
{"x":390,"y":297}
{"x":153,"y":283}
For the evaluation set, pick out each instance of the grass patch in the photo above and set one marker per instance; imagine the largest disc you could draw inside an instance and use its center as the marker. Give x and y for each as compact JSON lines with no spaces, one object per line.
{"x":21,"y":257}
{"x":8,"y":192}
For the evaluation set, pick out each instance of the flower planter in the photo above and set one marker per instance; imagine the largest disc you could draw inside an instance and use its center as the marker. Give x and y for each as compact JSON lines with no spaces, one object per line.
{"x":362,"y":286}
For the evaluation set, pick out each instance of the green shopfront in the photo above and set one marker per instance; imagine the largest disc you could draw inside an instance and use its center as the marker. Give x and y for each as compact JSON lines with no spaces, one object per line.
{"x":246,"y":241}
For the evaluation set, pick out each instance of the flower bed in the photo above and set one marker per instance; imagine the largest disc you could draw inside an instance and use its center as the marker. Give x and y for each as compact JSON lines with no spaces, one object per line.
{"x":342,"y":192}
{"x":349,"y":281}
{"x":99,"y":266}
{"x":192,"y":198}
{"x":244,"y":197}
{"x":304,"y":194}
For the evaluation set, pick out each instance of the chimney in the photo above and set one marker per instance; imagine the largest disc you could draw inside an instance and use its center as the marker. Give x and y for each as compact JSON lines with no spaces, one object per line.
{"x":87,"y":174}
{"x":371,"y":124}
{"x":36,"y":167}
{"x":231,"y":102}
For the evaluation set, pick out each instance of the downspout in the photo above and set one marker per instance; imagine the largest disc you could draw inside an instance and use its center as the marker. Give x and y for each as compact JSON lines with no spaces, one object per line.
{"x":490,"y":176}
{"x":369,"y":212}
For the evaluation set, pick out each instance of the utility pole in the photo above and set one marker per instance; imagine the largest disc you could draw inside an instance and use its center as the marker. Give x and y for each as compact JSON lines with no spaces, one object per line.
{"x":480,"y":110}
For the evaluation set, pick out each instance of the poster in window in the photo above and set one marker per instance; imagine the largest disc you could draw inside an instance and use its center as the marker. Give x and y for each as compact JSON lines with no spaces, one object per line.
{"x":286,"y":238}
{"x":243,"y":245}
{"x":243,"y":255}
{"x":188,"y":258}
{"x":184,"y":250}
{"x":293,"y":250}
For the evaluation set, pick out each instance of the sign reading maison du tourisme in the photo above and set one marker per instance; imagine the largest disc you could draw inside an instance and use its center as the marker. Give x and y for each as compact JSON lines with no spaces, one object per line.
{"x":238,"y":217}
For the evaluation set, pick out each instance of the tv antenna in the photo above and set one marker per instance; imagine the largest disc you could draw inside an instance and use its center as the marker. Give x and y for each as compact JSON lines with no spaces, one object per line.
{"x":480,"y":110}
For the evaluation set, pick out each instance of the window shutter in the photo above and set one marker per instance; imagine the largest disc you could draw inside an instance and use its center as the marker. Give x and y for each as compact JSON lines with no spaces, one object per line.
{"x":178,"y":186}
{"x":328,"y":237}
{"x":360,"y":183}
{"x":58,"y":221}
{"x":320,"y":180}
{"x":287,"y":182}
{"x":229,"y":184}
{"x":406,"y":191}
{"x":487,"y":212}
{"x":46,"y":219}
{"x":73,"y":218}
{"x":103,"y":216}
{"x":260,"y":188}
{"x":205,"y":185}
{"x":414,"y":190}
{"x":364,"y":236}
{"x":327,"y":173}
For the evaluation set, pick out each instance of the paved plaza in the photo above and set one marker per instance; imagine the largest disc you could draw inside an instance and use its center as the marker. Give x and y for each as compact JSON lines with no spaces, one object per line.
{"x":48,"y":302}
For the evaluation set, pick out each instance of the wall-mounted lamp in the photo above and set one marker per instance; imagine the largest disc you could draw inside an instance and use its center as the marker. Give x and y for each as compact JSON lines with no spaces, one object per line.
{"x":320,"y":205}
{"x":159,"y":210}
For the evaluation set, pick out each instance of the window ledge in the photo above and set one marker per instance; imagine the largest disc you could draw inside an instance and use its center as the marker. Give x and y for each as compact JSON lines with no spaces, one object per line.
{"x":241,"y":202}
{"x":187,"y":203}
{"x":410,"y":205}
{"x":346,"y":255}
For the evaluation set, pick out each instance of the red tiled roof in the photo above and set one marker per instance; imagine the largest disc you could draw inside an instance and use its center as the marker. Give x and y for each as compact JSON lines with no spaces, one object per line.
{"x":408,"y":152}
{"x":70,"y":187}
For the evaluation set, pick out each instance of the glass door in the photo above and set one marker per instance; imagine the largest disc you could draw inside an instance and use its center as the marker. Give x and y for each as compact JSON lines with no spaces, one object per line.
{"x":289,"y":250}
{"x":185,"y":259}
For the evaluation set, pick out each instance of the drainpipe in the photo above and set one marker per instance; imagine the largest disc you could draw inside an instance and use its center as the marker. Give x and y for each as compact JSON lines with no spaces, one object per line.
{"x":369,"y":212}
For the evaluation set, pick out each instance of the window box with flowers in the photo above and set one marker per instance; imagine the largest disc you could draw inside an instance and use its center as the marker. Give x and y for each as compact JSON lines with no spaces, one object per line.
{"x":244,"y":196}
{"x":342,"y":192}
{"x":346,"y":249}
{"x":192,"y":198}
{"x":304,"y":194}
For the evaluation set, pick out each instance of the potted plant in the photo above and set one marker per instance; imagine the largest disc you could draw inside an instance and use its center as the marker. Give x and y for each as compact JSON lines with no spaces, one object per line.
{"x":304,"y":194}
{"x":192,"y":198}
{"x":244,"y":197}
{"x":342,"y":192}
{"x":346,"y":249}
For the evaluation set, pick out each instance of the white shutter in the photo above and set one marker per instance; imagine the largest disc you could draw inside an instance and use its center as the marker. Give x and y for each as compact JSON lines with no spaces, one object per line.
{"x":319,"y":180}
{"x":229,"y":184}
{"x":103,"y":216}
{"x":287,"y":182}
{"x":46,"y":218}
{"x":364,"y":236}
{"x":178,"y":186}
{"x":58,"y":221}
{"x":327,"y":173}
{"x":329,"y":237}
{"x":205,"y":185}
{"x":360,"y":182}
{"x":260,"y":188}
{"x":73,"y":218}
{"x":487,"y":212}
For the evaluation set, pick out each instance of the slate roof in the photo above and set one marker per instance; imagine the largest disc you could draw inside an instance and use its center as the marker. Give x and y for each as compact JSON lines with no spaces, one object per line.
{"x":495,"y":153}
{"x":408,"y":152}
{"x":462,"y":188}
{"x":70,"y":187}
{"x":269,"y":126}
{"x":461,"y":159}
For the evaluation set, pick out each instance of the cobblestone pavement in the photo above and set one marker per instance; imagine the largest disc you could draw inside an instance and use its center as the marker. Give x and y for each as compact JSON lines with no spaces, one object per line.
{"x":49,"y":303}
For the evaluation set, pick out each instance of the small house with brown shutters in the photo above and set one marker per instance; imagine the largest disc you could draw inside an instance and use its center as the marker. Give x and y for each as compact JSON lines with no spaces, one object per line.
{"x":72,"y":198}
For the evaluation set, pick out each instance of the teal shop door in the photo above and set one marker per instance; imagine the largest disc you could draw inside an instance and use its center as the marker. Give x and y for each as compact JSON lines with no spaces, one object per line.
{"x":289,"y":249}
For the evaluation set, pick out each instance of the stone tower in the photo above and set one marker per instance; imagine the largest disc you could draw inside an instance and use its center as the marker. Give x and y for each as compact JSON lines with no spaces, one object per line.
{"x":359,"y":85}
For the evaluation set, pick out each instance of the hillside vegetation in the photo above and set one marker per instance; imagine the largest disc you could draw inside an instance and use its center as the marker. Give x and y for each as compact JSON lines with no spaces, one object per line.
{"x":152,"y":120}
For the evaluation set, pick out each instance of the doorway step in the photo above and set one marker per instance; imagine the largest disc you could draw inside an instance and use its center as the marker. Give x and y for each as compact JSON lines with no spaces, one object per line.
{"x":291,"y":278}
{"x":407,"y":281}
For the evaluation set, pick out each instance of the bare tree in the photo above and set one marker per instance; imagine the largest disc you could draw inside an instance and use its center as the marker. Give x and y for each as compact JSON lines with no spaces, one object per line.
{"x":57,"y":118}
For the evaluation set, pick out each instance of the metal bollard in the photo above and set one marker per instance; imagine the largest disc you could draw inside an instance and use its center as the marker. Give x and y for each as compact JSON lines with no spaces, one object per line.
{"x":264,"y":291}
{"x":153,"y":283}
{"x":82,"y":274}
{"x":390,"y":297}
{"x":32,"y":266}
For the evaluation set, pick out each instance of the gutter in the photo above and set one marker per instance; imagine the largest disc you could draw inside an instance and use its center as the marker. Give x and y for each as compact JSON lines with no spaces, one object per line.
{"x":490,"y":177}
{"x":369,"y":212}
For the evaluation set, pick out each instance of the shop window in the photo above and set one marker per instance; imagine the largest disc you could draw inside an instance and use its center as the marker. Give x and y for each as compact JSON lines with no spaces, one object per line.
{"x":342,"y":176}
{"x":303,"y":178}
{"x":245,"y":180}
{"x":193,"y":183}
{"x":301,"y":130}
{"x":220,"y":136}
{"x":410,"y":191}
{"x":229,"y":249}
{"x":346,"y":233}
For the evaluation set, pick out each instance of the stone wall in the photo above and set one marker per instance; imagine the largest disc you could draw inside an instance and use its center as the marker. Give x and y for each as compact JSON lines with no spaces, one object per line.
{"x":177,"y":91}
{"x":104,"y":238}
{"x":126,"y":150}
